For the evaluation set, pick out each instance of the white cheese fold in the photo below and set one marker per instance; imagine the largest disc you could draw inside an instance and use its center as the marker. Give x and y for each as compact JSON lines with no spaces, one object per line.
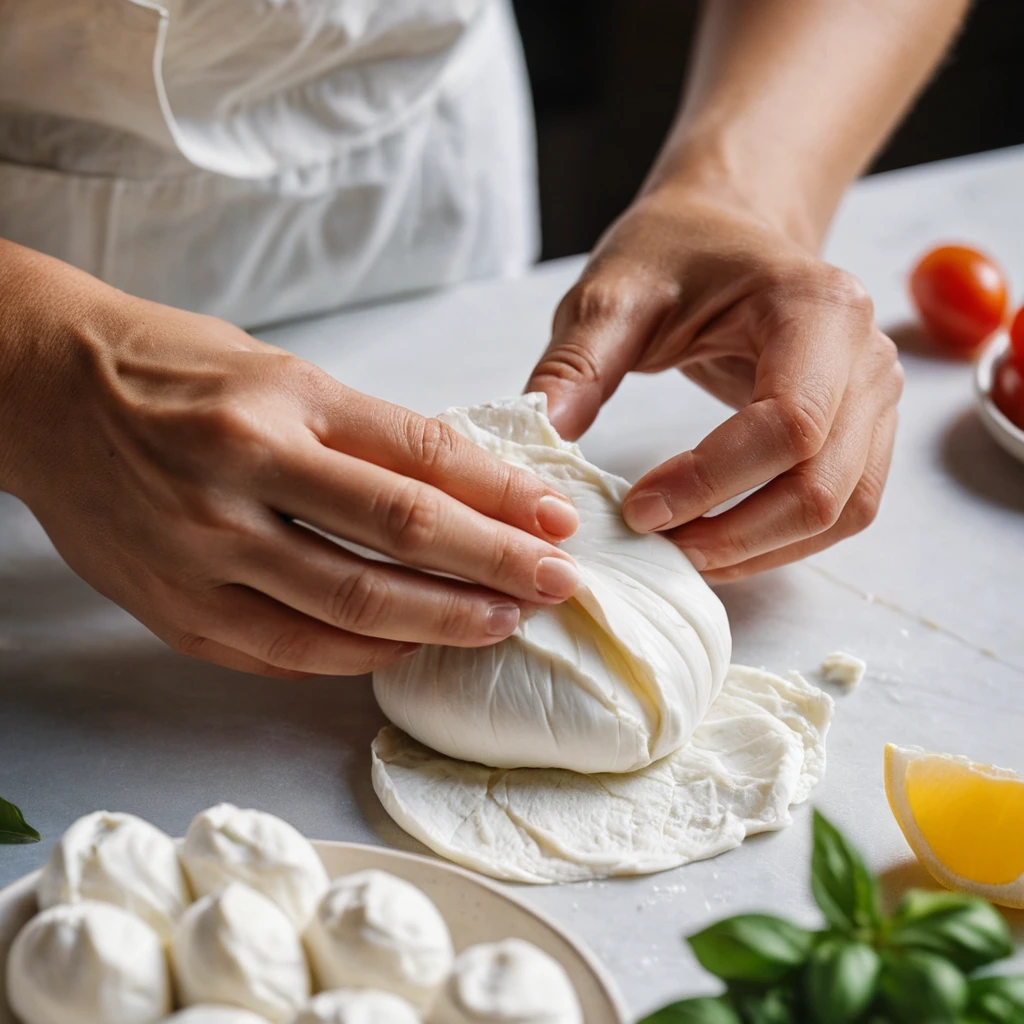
{"x":609,"y":681}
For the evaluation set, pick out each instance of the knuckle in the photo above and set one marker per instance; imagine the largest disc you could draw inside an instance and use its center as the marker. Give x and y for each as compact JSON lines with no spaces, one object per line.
{"x":805,"y":422}
{"x":360,"y":602}
{"x":595,"y":300}
{"x":841,"y":288}
{"x":433,"y":444}
{"x":191,"y":645}
{"x":820,"y":505}
{"x":506,"y":558}
{"x":286,"y":649}
{"x":700,"y":484}
{"x":456,"y":619}
{"x":571,"y":361}
{"x":412,"y":521}
{"x":862,"y":508}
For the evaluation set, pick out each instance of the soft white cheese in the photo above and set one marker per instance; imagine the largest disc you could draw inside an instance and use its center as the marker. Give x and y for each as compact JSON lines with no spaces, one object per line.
{"x":230,"y":844}
{"x":510,"y":982}
{"x":375,"y":930}
{"x":610,"y":681}
{"x":347,"y":1006}
{"x":842,"y":669}
{"x":119,"y":859}
{"x":88,"y":963}
{"x":760,"y":749}
{"x":237,"y":947}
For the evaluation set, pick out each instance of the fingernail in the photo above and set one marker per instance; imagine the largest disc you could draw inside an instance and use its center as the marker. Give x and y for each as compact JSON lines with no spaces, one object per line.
{"x":697,"y":559}
{"x":557,"y":577}
{"x":646,"y":512}
{"x":407,"y":650}
{"x":557,"y":516}
{"x":502,"y":619}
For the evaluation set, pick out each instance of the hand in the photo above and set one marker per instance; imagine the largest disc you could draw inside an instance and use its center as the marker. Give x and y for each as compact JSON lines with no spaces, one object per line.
{"x":176,"y":456}
{"x":704,"y":286}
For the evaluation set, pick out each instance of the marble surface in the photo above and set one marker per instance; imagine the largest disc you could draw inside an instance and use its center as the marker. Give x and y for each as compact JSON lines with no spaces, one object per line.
{"x":95,"y":713}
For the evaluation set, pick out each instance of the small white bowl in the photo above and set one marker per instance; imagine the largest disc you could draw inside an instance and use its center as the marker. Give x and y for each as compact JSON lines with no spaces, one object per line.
{"x":1007,"y":434}
{"x":476,"y":911}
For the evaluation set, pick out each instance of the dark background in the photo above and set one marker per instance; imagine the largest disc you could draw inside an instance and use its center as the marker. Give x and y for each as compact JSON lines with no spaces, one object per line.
{"x":607,"y":76}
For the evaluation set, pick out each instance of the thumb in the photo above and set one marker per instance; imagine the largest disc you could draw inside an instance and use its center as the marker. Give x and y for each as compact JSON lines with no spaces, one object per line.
{"x":598,"y":335}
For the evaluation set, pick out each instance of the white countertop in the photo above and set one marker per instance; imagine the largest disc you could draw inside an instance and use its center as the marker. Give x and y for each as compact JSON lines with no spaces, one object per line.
{"x":96,"y":713}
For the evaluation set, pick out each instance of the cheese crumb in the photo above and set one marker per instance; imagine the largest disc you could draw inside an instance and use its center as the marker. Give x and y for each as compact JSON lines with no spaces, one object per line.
{"x":843,"y":670}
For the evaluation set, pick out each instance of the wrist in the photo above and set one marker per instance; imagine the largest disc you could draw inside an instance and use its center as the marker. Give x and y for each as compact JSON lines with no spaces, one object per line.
{"x":51,"y":318}
{"x":725,"y":172}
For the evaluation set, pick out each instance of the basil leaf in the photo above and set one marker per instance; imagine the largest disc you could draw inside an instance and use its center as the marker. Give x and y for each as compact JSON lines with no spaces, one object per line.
{"x":777,"y":1006}
{"x":965,"y":930}
{"x":694,"y":1011}
{"x":13,"y":826}
{"x":922,"y":988}
{"x":841,"y":883}
{"x":997,"y":1000}
{"x":840,"y":980}
{"x":752,"y":947}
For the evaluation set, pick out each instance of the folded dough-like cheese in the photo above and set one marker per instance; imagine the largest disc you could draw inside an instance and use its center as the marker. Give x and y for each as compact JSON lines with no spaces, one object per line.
{"x":610,"y":681}
{"x":760,"y":750}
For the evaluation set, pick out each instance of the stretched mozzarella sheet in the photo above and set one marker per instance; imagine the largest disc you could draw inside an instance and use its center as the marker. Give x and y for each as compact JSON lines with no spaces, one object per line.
{"x":759,"y":751}
{"x":610,"y":681}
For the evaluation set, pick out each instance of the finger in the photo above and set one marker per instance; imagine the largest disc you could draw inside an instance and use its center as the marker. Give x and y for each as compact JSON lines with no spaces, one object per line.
{"x":858,"y":514}
{"x":800,"y":503}
{"x":266,"y":631}
{"x":418,"y":525}
{"x":597,"y":336}
{"x":227,"y":657}
{"x":431,"y":451}
{"x":801,"y":377}
{"x":304,"y":571}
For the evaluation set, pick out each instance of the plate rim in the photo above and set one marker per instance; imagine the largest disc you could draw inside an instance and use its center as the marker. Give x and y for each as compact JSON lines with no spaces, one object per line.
{"x":601,"y":975}
{"x":998,"y":424}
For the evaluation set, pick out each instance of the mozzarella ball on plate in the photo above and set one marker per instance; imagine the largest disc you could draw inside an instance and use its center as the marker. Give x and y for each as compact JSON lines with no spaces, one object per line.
{"x":88,"y":963}
{"x":119,"y":859}
{"x":510,"y":982}
{"x":237,"y":947}
{"x":349,"y":1006}
{"x":230,"y":844}
{"x":210,"y":1013}
{"x":373,"y":930}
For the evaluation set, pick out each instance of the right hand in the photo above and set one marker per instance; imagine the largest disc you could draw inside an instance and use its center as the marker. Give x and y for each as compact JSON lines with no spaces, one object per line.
{"x":169,"y":455}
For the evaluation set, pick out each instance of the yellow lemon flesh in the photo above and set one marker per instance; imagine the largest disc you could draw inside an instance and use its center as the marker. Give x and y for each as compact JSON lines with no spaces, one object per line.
{"x":964,"y":821}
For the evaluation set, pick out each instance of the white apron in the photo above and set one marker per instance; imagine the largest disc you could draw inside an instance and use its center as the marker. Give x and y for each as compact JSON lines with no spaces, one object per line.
{"x":265,"y":159}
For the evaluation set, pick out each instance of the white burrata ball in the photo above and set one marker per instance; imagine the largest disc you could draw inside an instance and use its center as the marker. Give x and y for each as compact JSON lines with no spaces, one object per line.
{"x":119,"y":859}
{"x":209,"y":1013}
{"x":237,"y":947}
{"x":88,"y":963}
{"x":348,"y":1006}
{"x":373,"y":930}
{"x":230,"y":844}
{"x":510,"y":982}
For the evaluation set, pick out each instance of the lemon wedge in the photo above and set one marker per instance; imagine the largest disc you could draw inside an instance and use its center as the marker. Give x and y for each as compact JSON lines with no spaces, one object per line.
{"x":964,"y":821}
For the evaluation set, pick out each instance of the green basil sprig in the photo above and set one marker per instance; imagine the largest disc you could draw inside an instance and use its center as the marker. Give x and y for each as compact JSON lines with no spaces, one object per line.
{"x":913,"y":967}
{"x":13,"y":826}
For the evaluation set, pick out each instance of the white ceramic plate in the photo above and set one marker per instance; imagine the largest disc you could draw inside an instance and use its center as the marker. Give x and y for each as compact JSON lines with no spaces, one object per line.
{"x":1005,"y":433}
{"x":476,"y":911}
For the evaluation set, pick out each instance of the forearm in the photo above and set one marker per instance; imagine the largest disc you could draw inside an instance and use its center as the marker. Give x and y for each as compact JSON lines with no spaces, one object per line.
{"x":47,"y":309}
{"x":789,"y":99}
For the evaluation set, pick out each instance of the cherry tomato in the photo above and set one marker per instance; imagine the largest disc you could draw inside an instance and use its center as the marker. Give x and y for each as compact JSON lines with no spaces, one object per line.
{"x":1008,"y":391}
{"x":1017,"y":339}
{"x":960,"y":294}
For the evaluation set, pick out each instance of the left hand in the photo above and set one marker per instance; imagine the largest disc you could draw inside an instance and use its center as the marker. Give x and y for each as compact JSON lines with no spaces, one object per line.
{"x":692,"y":281}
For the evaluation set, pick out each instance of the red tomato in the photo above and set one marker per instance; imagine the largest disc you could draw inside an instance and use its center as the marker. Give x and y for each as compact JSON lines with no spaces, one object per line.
{"x":1017,"y":339}
{"x":960,"y":294}
{"x":1008,"y":391}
